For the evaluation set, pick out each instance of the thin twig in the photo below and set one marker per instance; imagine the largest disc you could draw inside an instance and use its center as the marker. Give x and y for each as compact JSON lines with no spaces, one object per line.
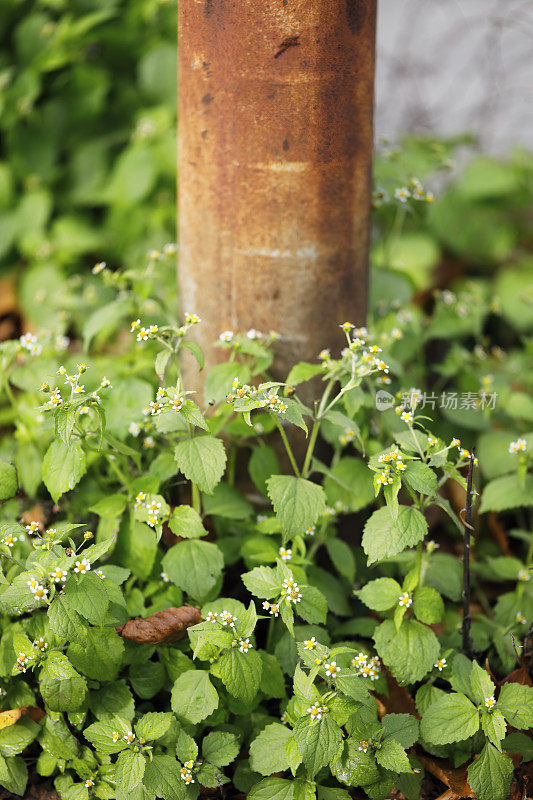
{"x":468,"y":648}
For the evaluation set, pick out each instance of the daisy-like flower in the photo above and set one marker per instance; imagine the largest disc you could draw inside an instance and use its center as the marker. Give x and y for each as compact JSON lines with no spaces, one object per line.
{"x":520,"y":446}
{"x":155,"y":407}
{"x":100,"y":574}
{"x":266,"y":605}
{"x":315,"y":712}
{"x":164,"y":577}
{"x":253,"y":334}
{"x":170,"y":248}
{"x":363,"y":746}
{"x":148,"y":442}
{"x":455,"y":442}
{"x":441,"y":664}
{"x":98,"y":268}
{"x":402,"y":194}
{"x":192,"y":319}
{"x":9,"y":540}
{"x":332,"y":670}
{"x":431,"y":546}
{"x":135,"y":325}
{"x":294,"y":595}
{"x":407,"y":416}
{"x":211,"y":616}
{"x":360,"y":659}
{"x":285,"y":555}
{"x":520,"y":618}
{"x":89,"y":783}
{"x":282,"y":719}
{"x":105,"y":383}
{"x":177,"y":404}
{"x":490,"y":702}
{"x":33,"y":527}
{"x":310,"y":644}
{"x":134,"y":429}
{"x":142,"y":335}
{"x":524,"y":575}
{"x":226,"y":336}
{"x":116,"y":736}
{"x":160,"y":392}
{"x":405,"y":600}
{"x":40,"y":592}
{"x":153,"y":329}
{"x":226,"y":618}
{"x":40,"y":643}
{"x":33,"y":583}
{"x":154,"y":507}
{"x":274,"y":610}
{"x":27,"y":340}
{"x":129,"y":737}
{"x":58,"y":575}
{"x":83,"y":566}
{"x":310,"y":530}
{"x":281,"y":407}
{"x":153,"y":520}
{"x":432,"y":441}
{"x":244,"y":645}
{"x":367,"y":670}
{"x":22,"y":658}
{"x":139,"y":499}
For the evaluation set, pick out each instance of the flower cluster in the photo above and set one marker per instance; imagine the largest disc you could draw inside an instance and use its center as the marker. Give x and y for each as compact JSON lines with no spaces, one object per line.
{"x":264,"y":398}
{"x":366,"y":666}
{"x":167,"y":399}
{"x":392,"y":463}
{"x":186,"y":772}
{"x":291,"y":591}
{"x":28,"y":341}
{"x":362,"y":357}
{"x":272,"y":608}
{"x":519,"y":446}
{"x":414,"y":191}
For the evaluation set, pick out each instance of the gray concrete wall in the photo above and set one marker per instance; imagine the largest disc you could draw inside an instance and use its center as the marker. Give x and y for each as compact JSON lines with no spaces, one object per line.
{"x":448,"y":66}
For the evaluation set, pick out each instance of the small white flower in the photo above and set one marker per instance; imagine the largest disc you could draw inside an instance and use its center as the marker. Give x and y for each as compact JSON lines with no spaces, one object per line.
{"x":227,"y":618}
{"x":405,"y":600}
{"x":148,"y":442}
{"x":524,"y":575}
{"x":9,"y":540}
{"x":519,"y":446}
{"x":40,"y":592}
{"x":310,"y":530}
{"x":244,"y":645}
{"x":134,"y":429}
{"x":286,"y":555}
{"x":363,"y":746}
{"x":98,"y":268}
{"x":105,"y":383}
{"x":310,"y":644}
{"x":100,"y":574}
{"x":154,"y":507}
{"x":253,"y":334}
{"x":83,"y":566}
{"x":332,"y":670}
{"x":441,"y":664}
{"x":116,"y":736}
{"x":402,"y":194}
{"x":89,"y":783}
{"x":58,"y":575}
{"x":315,"y":712}
{"x":164,"y":577}
{"x":142,"y":335}
{"x":360,"y":659}
{"x":40,"y":643}
{"x":226,"y":336}
{"x":274,"y":610}
{"x":490,"y":702}
{"x":33,"y":527}
{"x":520,"y":618}
{"x":211,"y":616}
{"x":129,"y":737}
{"x":192,"y":319}
{"x":431,"y":546}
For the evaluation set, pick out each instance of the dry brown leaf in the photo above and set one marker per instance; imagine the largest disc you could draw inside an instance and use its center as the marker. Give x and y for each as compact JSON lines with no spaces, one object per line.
{"x":165,"y":626}
{"x":399,"y":700}
{"x":520,"y":675}
{"x":13,"y":715}
{"x":454,"y":778}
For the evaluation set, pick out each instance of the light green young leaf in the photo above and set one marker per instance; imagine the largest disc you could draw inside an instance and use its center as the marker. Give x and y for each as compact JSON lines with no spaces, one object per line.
{"x":313,"y":606}
{"x":202,"y":460}
{"x":241,"y":673}
{"x":421,"y":478}
{"x":162,"y":777}
{"x":481,"y":683}
{"x":318,"y":741}
{"x":354,"y":767}
{"x":272,"y":789}
{"x":342,"y":557}
{"x":297,"y":502}
{"x":385,"y":536}
{"x":401,"y":727}
{"x":516,"y":704}
{"x":129,"y":770}
{"x":267,"y":751}
{"x":193,"y":696}
{"x":494,"y":726}
{"x":450,"y":718}
{"x":62,"y":688}
{"x":380,"y":594}
{"x":410,"y":652}
{"x":220,"y":748}
{"x":63,"y":467}
{"x":490,"y":775}
{"x":392,"y":756}
{"x":153,"y":725}
{"x":194,"y":566}
{"x":184,"y":521}
{"x":427,"y":605}
{"x":84,"y":595}
{"x":262,"y":582}
{"x":8,"y":480}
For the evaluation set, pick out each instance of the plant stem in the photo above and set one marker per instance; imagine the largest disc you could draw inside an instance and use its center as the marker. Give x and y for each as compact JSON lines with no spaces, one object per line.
{"x":467,"y":646}
{"x":288,"y":449}
{"x":195,"y":498}
{"x":310,"y":448}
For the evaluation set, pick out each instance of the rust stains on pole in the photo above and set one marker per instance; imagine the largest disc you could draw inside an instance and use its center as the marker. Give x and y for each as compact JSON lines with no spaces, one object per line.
{"x":274,"y":161}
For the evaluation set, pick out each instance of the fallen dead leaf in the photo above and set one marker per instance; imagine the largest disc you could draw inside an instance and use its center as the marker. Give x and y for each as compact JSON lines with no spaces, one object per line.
{"x":454,"y":778}
{"x":13,"y":715}
{"x":165,"y":626}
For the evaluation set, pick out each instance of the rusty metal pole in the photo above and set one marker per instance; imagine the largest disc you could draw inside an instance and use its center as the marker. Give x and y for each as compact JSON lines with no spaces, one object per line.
{"x":274,"y":162}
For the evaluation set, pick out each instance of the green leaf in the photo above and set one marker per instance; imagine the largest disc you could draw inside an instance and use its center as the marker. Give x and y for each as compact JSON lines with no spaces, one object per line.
{"x":481,"y":684}
{"x":62,"y":688}
{"x":342,"y":556}
{"x":349,"y":482}
{"x":8,"y":480}
{"x":516,"y":704}
{"x":13,"y":774}
{"x":427,"y":605}
{"x":401,"y":727}
{"x":385,"y":536}
{"x":202,"y":460}
{"x":63,"y":466}
{"x":410,"y":652}
{"x":381,"y":594}
{"x":262,"y":582}
{"x":194,"y":566}
{"x":193,"y":696}
{"x":507,"y":492}
{"x":450,"y":718}
{"x":100,"y":655}
{"x":129,"y":770}
{"x":263,"y":463}
{"x":391,"y":755}
{"x":100,"y":735}
{"x":303,"y":371}
{"x":421,"y":478}
{"x":110,"y":506}
{"x":272,"y":678}
{"x":297,"y":502}
{"x":318,"y":741}
{"x":267,"y":751}
{"x":162,"y":777}
{"x":220,"y":748}
{"x":241,"y":673}
{"x":272,"y":789}
{"x":490,"y":775}
{"x":147,"y":678}
{"x":153,"y":725}
{"x":84,"y":595}
{"x":184,"y":521}
{"x":15,"y":738}
{"x":196,"y":350}
{"x":444,"y":573}
{"x":227,"y":501}
{"x":494,"y":726}
{"x":313,"y":607}
{"x":354,"y":767}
